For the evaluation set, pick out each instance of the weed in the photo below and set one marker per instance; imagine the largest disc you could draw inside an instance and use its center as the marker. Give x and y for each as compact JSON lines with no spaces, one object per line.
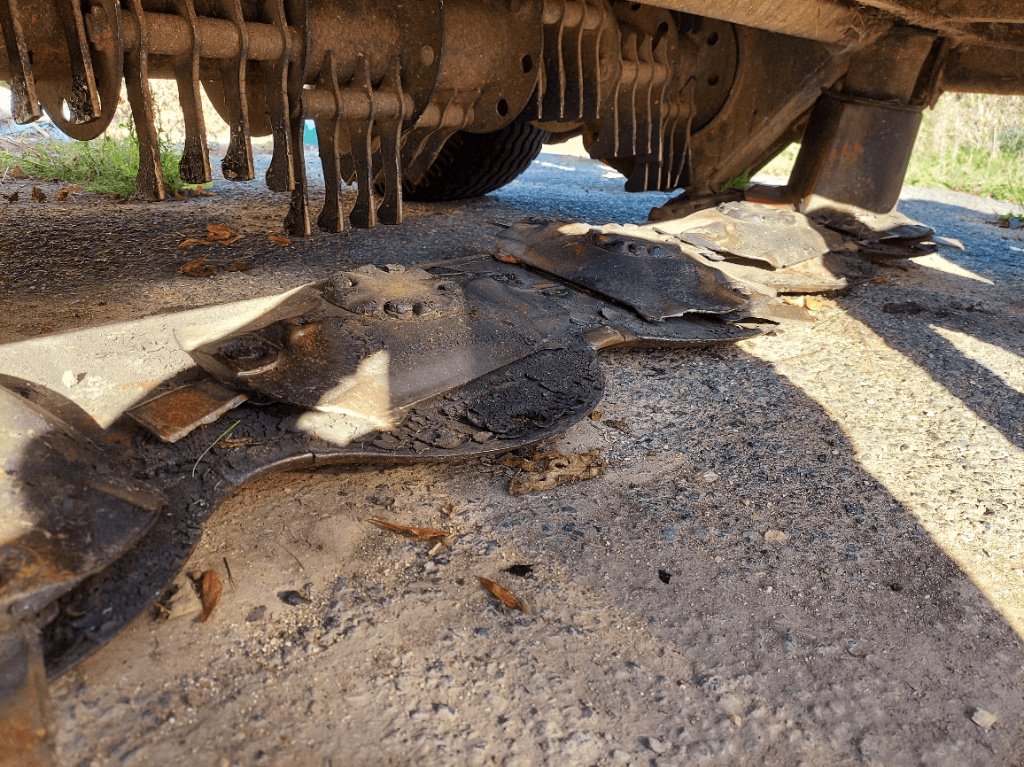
{"x":740,"y":181}
{"x":106,"y":165}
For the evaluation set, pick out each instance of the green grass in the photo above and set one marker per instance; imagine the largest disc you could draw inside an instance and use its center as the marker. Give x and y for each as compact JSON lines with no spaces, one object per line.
{"x":106,"y":165}
{"x":969,"y":169}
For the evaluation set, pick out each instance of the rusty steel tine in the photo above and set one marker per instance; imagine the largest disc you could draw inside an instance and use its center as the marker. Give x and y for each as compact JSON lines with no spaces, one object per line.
{"x":390,"y":133}
{"x":298,"y":222}
{"x":364,"y":214}
{"x":24,"y":100}
{"x":149,"y":184}
{"x":237,"y":164}
{"x":327,"y":133}
{"x":84,"y":99}
{"x":195,"y":159}
{"x":280,"y":174}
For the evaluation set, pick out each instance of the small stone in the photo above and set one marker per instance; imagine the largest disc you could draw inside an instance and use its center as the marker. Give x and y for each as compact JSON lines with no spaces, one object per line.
{"x":984,"y":719}
{"x":293,"y":598}
{"x":657,"y":746}
{"x":709,"y":476}
{"x":185,"y":601}
{"x":256,"y":614}
{"x":70,"y":379}
{"x":776,"y":536}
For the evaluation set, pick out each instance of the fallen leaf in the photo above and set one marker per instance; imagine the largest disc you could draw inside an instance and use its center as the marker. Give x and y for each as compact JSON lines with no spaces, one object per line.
{"x":233,"y":442}
{"x":17,"y":172}
{"x":420,"y":533}
{"x":64,"y":192}
{"x":506,"y":259}
{"x":546,"y":471}
{"x":218,"y":232}
{"x":180,"y":197}
{"x":189,"y":242}
{"x":800,"y":301}
{"x":503,"y":595}
{"x":210,"y":591}
{"x":817,"y":303}
{"x":200,"y":191}
{"x":13,"y":196}
{"x":238,"y":265}
{"x":277,"y":239}
{"x":198,"y":268}
{"x":38,"y":195}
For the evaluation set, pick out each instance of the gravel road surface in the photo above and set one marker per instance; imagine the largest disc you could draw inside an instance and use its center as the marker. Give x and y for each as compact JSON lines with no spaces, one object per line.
{"x":806,"y":549}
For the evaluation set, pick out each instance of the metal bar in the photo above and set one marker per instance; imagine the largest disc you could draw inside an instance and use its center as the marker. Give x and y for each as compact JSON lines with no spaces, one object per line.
{"x":169,"y":35}
{"x":195,"y":159}
{"x":149,"y":184}
{"x":24,"y":99}
{"x":84,"y":101}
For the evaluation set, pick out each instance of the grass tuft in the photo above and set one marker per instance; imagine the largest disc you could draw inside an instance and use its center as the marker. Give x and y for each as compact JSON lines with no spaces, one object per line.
{"x":106,"y":165}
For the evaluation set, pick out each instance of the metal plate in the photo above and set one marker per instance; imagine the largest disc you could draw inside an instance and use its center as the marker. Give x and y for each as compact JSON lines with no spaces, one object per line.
{"x":654,"y":278}
{"x":744,"y":230}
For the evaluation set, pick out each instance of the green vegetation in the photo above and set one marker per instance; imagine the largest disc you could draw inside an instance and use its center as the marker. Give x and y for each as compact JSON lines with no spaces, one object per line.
{"x":740,"y":181}
{"x":107,"y":165}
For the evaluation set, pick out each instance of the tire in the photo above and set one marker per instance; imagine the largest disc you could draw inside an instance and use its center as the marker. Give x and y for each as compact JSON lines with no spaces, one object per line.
{"x":473,"y":164}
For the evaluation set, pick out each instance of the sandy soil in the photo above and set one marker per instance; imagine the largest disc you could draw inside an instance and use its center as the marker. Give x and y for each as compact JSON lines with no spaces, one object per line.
{"x":806,"y":549}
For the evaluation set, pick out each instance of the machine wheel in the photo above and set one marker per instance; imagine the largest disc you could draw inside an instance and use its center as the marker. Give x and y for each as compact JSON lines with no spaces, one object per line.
{"x":473,"y":164}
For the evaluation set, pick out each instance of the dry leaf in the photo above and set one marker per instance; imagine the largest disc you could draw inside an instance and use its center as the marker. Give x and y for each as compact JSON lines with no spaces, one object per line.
{"x":218,"y":232}
{"x":65,"y":192}
{"x":17,"y":172}
{"x":188,"y":243}
{"x":277,"y":239}
{"x":229,"y":240}
{"x":180,"y":197}
{"x":506,"y":258}
{"x":200,"y":191}
{"x":198,"y":268}
{"x":38,"y":195}
{"x":238,"y":265}
{"x":546,"y":471}
{"x":420,"y":533}
{"x":233,"y":442}
{"x":210,"y":591}
{"x":506,"y":597}
{"x":13,"y":196}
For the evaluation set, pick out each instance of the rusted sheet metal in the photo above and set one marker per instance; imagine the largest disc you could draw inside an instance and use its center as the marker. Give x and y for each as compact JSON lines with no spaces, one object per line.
{"x":176,"y":414}
{"x":774,"y":236}
{"x":654,"y":278}
{"x":66,"y":508}
{"x":379,"y":364}
{"x":383,"y":340}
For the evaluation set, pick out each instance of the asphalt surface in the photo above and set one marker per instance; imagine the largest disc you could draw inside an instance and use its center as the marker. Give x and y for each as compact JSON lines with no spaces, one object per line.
{"x":805,"y":549}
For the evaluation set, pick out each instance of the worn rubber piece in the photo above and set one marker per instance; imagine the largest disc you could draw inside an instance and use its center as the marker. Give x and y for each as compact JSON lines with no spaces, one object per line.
{"x":473,"y":164}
